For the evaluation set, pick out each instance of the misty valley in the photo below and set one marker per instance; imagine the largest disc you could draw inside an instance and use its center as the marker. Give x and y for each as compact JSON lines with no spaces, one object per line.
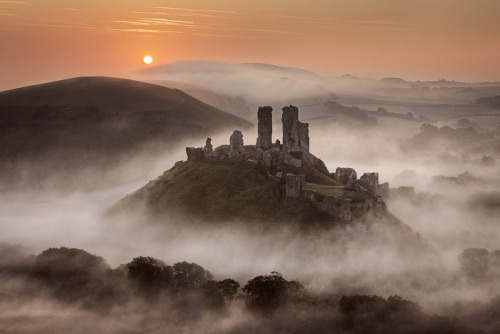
{"x":201,"y":197}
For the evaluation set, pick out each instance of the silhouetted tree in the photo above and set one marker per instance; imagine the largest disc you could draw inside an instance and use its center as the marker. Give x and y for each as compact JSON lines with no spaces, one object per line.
{"x":266,"y":293}
{"x":229,"y":288}
{"x":150,"y":276}
{"x":358,"y":304}
{"x":190,"y":275}
{"x":73,"y":274}
{"x":374,"y":314}
{"x":213,"y":294}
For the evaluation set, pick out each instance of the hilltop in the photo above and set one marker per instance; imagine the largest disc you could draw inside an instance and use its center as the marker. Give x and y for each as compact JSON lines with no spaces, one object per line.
{"x":64,"y":126}
{"x":267,"y":182}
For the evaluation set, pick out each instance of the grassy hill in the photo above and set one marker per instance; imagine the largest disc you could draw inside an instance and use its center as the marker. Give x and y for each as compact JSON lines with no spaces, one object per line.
{"x":64,"y":126}
{"x":220,"y":190}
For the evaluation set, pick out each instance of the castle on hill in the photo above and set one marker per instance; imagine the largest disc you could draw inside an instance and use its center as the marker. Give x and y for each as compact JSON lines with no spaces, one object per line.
{"x":350,"y":197}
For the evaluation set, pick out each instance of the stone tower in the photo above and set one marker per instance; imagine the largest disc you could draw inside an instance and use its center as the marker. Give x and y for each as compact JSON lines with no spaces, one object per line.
{"x":265,"y":127}
{"x":290,"y":120}
{"x":295,"y":133}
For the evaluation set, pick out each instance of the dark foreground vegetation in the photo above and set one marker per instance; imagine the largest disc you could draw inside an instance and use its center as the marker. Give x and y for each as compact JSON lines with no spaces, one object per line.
{"x":150,"y":296}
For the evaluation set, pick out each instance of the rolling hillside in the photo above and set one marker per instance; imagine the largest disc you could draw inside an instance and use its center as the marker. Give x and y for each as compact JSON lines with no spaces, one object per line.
{"x":95,"y":122}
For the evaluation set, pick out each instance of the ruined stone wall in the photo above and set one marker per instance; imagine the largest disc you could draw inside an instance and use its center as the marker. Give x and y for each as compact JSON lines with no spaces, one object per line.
{"x":304,"y":135}
{"x":369,"y":182}
{"x":343,"y":174}
{"x":295,"y":184}
{"x":195,"y":153}
{"x":236,"y":143}
{"x":265,"y":127}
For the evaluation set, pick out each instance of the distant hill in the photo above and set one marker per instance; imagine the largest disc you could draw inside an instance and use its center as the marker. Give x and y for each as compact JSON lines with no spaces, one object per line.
{"x":295,"y":71}
{"x":193,"y":67}
{"x":247,"y":83}
{"x":232,"y":104}
{"x":490,"y":102}
{"x":391,"y":80}
{"x":74,"y":124}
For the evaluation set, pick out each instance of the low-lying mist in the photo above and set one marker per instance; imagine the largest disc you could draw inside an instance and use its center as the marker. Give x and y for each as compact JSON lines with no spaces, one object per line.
{"x":418,"y":259}
{"x":357,"y":256}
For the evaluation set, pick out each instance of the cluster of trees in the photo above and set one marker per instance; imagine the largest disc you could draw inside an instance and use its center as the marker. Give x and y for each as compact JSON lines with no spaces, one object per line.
{"x":187,"y":292}
{"x":429,"y":133}
{"x":74,"y":275}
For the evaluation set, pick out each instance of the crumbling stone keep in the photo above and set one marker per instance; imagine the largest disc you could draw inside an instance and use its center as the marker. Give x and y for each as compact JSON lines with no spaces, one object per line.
{"x":265,"y":127}
{"x":295,"y":133}
{"x":236,"y":142}
{"x":295,"y":185}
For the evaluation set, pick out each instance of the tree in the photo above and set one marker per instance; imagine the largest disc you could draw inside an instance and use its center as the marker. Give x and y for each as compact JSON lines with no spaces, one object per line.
{"x":74,"y":274}
{"x":213,"y":294}
{"x":228,"y":288}
{"x":266,"y":293}
{"x":150,"y":276}
{"x":429,"y":129}
{"x":396,"y":304}
{"x":359,"y":304}
{"x":190,"y":275}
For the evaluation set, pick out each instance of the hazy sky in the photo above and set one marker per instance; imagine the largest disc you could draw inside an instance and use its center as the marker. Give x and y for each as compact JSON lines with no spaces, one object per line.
{"x":44,"y":40}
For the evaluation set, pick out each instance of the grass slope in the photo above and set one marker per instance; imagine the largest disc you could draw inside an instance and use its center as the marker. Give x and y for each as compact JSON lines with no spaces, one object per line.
{"x":94,"y":121}
{"x":220,"y":190}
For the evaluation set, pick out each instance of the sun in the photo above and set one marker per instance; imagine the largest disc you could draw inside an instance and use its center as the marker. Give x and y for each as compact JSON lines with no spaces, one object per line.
{"x":148,"y":59}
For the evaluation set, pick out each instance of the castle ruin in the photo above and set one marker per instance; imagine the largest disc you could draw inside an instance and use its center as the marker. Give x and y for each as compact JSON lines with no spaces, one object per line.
{"x":349,"y":197}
